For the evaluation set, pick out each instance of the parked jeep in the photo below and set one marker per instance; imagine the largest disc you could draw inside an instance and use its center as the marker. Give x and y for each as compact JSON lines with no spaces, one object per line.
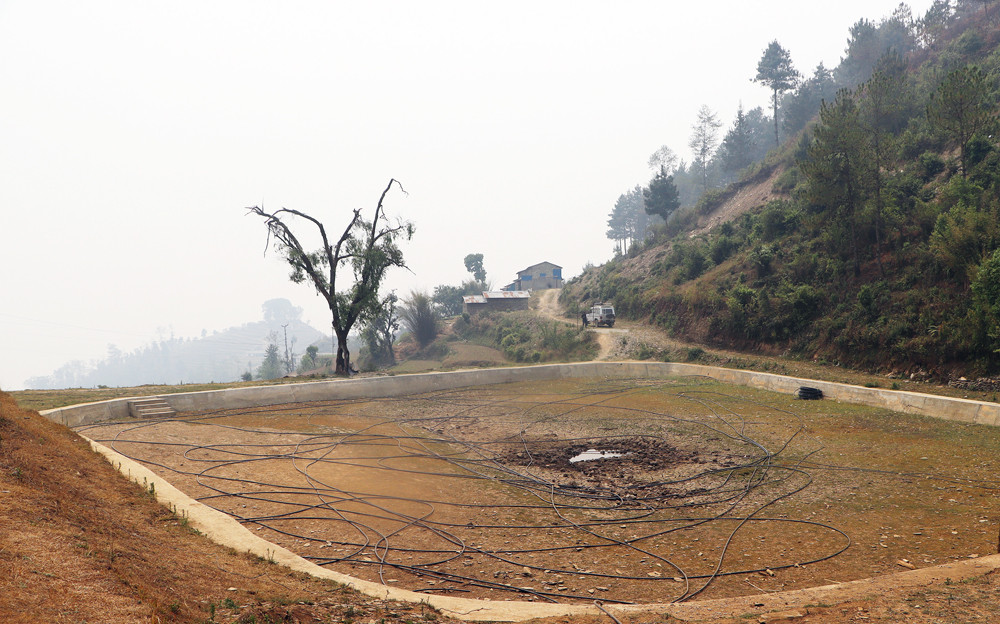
{"x":601,"y":315}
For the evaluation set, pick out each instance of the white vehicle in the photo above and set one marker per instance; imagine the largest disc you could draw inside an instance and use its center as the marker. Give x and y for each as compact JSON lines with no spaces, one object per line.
{"x":601,"y":315}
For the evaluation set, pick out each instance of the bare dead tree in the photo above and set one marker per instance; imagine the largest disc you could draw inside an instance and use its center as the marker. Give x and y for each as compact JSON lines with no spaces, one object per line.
{"x":368,"y":248}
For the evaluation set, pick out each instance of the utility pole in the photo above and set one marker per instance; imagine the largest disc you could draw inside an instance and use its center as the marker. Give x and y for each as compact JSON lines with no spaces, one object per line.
{"x":288,"y":359}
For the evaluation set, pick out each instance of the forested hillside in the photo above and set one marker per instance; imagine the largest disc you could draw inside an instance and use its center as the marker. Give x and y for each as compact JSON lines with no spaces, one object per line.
{"x":879,"y":246}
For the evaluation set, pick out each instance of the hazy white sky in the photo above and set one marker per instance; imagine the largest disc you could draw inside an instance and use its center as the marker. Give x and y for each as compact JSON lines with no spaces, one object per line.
{"x":134,"y":134}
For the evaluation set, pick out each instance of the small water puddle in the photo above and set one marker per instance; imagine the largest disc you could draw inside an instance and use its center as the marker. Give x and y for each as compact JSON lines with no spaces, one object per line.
{"x":592,"y":454}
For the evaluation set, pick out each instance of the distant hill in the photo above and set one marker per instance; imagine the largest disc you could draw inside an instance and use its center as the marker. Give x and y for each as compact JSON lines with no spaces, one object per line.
{"x":221,"y":356}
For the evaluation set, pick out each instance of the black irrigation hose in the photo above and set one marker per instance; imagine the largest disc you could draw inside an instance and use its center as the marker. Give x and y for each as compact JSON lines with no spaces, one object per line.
{"x":254,"y":456}
{"x":733,"y":494}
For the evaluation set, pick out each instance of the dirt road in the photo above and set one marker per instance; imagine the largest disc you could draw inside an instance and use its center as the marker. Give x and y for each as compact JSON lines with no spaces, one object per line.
{"x":548,"y":306}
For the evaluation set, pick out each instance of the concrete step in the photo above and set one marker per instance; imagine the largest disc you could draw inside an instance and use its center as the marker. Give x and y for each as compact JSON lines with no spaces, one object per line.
{"x":153,"y":407}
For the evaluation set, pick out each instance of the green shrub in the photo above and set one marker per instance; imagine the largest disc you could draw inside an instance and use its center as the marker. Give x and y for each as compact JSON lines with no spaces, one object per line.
{"x":929,"y":164}
{"x":695,"y":353}
{"x":977,"y":149}
{"x":721,"y":248}
{"x":524,"y":336}
{"x":710,"y":200}
{"x":760,"y":259}
{"x":694,"y":263}
{"x":787,"y":180}
{"x":419,"y":317}
{"x":918,"y":139}
{"x":776,"y":219}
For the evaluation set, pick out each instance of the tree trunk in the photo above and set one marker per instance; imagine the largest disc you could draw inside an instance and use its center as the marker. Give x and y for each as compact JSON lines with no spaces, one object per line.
{"x":879,"y":209}
{"x":343,"y":361}
{"x":334,"y":350}
{"x":854,"y":232}
{"x":774,"y":112}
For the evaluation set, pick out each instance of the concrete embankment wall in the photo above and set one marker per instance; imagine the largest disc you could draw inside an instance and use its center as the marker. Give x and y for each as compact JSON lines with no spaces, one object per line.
{"x":962,"y":410}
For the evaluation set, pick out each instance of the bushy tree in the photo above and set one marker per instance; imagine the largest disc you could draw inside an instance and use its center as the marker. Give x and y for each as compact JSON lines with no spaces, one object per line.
{"x":308,"y":361}
{"x":366,"y":248}
{"x":474,"y":265}
{"x":448,"y":299}
{"x":378,"y":331}
{"x":935,"y":21}
{"x":802,"y":105}
{"x":628,"y":221}
{"x":964,"y":233}
{"x":278,"y":311}
{"x":869,"y":42}
{"x":986,"y":290}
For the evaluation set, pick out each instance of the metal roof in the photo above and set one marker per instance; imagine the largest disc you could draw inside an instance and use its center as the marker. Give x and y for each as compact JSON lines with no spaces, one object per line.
{"x":535,"y":266}
{"x":496,"y":294}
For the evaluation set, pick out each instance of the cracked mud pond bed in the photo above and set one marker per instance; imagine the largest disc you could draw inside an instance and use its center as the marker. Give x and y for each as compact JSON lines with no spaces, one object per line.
{"x":715,"y":491}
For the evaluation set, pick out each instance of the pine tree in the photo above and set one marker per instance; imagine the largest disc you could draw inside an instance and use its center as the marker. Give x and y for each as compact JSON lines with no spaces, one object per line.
{"x":883,"y":102}
{"x":775,"y":71}
{"x":838,"y":165}
{"x":737,"y":146}
{"x":959,"y":108}
{"x":271,"y":367}
{"x":660,"y":197}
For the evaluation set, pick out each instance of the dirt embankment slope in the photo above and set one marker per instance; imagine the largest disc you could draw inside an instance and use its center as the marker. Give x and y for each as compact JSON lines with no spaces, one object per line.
{"x":745,"y":197}
{"x":80,"y":543}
